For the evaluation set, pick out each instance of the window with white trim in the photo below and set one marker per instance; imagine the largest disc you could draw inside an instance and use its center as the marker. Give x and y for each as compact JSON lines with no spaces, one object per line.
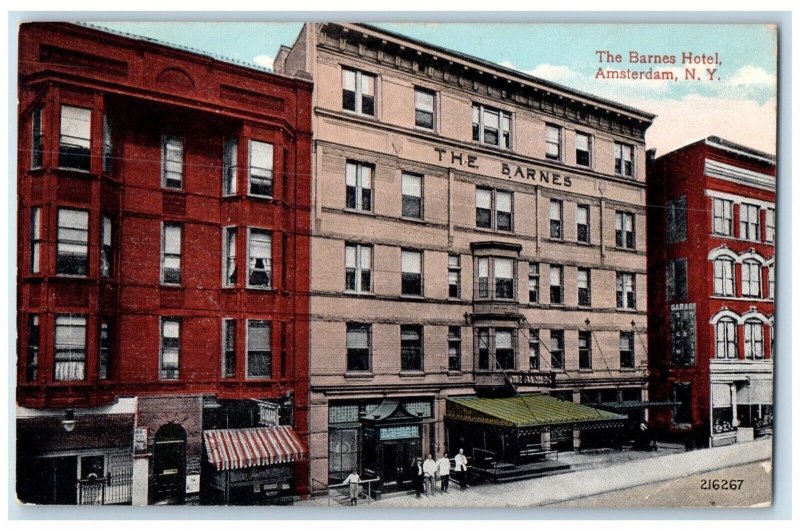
{"x":625,"y":230}
{"x":106,"y":248}
{"x":259,"y":348}
{"x":359,"y":346}
{"x":584,"y":281}
{"x":749,"y":222}
{"x":771,"y":282}
{"x":259,"y":259}
{"x":171,"y":162}
{"x":626,"y":291}
{"x":504,"y":351}
{"x":171,"y":236}
{"x":358,"y":268}
{"x":358,"y":177}
{"x":626,"y":357}
{"x":169,"y":360}
{"x":358,"y":92}
{"x":769,"y":220}
{"x":454,"y":276}
{"x":229,"y":269}
{"x":557,"y":349}
{"x":534,"y":346}
{"x":751,"y":279}
{"x":411,"y":195}
{"x":34,"y":335}
{"x":584,"y":350}
{"x":725,"y":339}
{"x":753,"y":339}
{"x":494,"y":209}
{"x":623,"y":159}
{"x":36,"y":239}
{"x":723,"y":277}
{"x":533,"y":282}
{"x":556,"y":219}
{"x":411,"y":348}
{"x":75,"y":140}
{"x":483,"y":278}
{"x":104,"y":358}
{"x":491,"y":126}
{"x":230,"y":156}
{"x":228,"y":348}
{"x":582,"y":224}
{"x":108,"y":145}
{"x":454,"y":348}
{"x":722,"y":217}
{"x":70,"y":348}
{"x":503,"y":278}
{"x":553,"y":141}
{"x":73,"y":242}
{"x":424,"y":108}
{"x":411,"y":273}
{"x":583,"y":149}
{"x":260,"y":169}
{"x":556,"y":284}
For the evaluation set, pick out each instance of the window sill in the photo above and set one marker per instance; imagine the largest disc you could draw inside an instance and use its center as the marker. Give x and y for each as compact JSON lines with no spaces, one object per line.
{"x":625,"y":249}
{"x":260,"y":197}
{"x":74,"y":170}
{"x":359,"y":212}
{"x":412,"y":219}
{"x":260,"y":288}
{"x":352,"y":293}
{"x":412,"y":297}
{"x":585,"y":371}
{"x":361,"y":115}
{"x":627,"y":310}
{"x":452,"y":372}
{"x":177,"y":191}
{"x":412,"y":374}
{"x":170,"y":286}
{"x":359,"y":375}
{"x":627,"y":369}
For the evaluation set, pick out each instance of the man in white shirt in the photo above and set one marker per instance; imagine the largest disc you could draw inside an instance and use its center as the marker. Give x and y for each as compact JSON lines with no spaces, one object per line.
{"x":461,"y":468}
{"x":443,"y":465}
{"x":429,"y":468}
{"x":353,"y":481}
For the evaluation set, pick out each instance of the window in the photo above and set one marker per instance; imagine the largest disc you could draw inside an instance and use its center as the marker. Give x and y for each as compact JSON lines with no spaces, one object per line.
{"x":722,"y":217}
{"x":676,"y":220}
{"x":108,"y":145}
{"x":454,"y":276}
{"x":359,"y":346}
{"x":344,"y":454}
{"x":503,"y":212}
{"x":491,"y":126}
{"x":626,"y":291}
{"x":36,"y":239}
{"x":504,"y":278}
{"x":171,"y":235}
{"x":74,"y":147}
{"x":104,"y":360}
{"x":677,"y":280}
{"x":70,"y":354}
{"x":424,"y":108}
{"x":557,"y":349}
{"x":749,"y":223}
{"x":504,"y":348}
{"x":230,"y":155}
{"x":106,"y":249}
{"x":770,"y":225}
{"x":73,"y":242}
{"x":259,"y":259}
{"x":412,"y":195}
{"x":411,"y":348}
{"x":229,"y":256}
{"x":228,"y":348}
{"x":753,"y":340}
{"x":623,"y":159}
{"x":171,"y":162}
{"x":33,"y":348}
{"x":533,"y":282}
{"x":411,"y":273}
{"x":583,"y":149}
{"x":454,"y":348}
{"x":260,"y":170}
{"x":556,"y":219}
{"x":751,"y":279}
{"x":584,"y":287}
{"x":626,"y":360}
{"x":359,"y":186}
{"x":726,"y":339}
{"x":170,"y":348}
{"x":682,"y":394}
{"x":582,"y":222}
{"x":358,"y":92}
{"x":625,"y":232}
{"x":584,"y":350}
{"x":553,"y":140}
{"x":358,"y":268}
{"x":534,"y":346}
{"x":483,"y":208}
{"x":37,"y":139}
{"x":723,"y":277}
{"x":483,"y":348}
{"x":556,"y":284}
{"x":771,"y":282}
{"x":259,"y":349}
{"x":483,"y":278}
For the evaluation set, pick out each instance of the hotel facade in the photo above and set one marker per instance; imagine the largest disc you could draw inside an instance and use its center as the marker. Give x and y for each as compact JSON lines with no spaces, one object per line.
{"x":476,"y":232}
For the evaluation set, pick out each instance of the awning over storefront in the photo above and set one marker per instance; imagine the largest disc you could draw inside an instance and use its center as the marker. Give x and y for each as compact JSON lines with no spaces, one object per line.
{"x":526,"y":411}
{"x":251,"y":447}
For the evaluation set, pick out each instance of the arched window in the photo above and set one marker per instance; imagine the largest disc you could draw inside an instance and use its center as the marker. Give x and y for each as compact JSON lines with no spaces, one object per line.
{"x":723,"y":277}
{"x":751,"y":279}
{"x":726,"y":339}
{"x":753,"y":339}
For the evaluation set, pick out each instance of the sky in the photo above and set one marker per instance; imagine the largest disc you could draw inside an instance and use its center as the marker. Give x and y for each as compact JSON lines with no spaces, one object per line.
{"x":739,"y":104}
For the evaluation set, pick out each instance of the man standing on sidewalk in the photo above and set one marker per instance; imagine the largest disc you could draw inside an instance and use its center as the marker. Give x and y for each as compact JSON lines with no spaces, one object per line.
{"x":461,"y":468}
{"x":419,"y":477}
{"x":443,"y":465}
{"x":429,"y":467}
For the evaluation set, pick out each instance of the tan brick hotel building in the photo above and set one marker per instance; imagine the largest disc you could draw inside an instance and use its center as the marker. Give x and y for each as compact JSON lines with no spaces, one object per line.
{"x":476,"y":232}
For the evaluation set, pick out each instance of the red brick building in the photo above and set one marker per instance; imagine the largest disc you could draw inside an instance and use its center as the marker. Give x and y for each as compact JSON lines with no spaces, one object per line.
{"x":711,"y":244}
{"x":163,"y":259}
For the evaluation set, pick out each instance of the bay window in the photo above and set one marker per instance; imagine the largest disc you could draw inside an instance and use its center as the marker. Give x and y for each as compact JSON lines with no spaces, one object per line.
{"x":259,"y":348}
{"x":75,"y":140}
{"x":260,"y":169}
{"x":70,"y":348}
{"x":259,"y":259}
{"x":73,"y":242}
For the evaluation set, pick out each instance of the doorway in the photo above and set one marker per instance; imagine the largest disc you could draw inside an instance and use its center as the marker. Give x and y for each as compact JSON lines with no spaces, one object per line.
{"x":398,"y":463}
{"x":169,"y":464}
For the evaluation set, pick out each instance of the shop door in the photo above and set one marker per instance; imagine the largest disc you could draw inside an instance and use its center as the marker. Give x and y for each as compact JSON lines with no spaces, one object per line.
{"x":392,"y":464}
{"x":411,"y":450}
{"x":169,"y":462}
{"x":59,"y":481}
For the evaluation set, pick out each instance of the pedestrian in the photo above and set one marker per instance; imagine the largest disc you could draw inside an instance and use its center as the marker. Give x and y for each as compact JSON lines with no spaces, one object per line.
{"x":352,"y":481}
{"x":461,"y":468}
{"x":443,"y":465}
{"x":429,"y":467}
{"x":419,"y":477}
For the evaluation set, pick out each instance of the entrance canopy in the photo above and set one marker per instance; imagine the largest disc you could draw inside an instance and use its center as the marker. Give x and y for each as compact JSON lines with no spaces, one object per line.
{"x":526,"y":411}
{"x":252,"y":447}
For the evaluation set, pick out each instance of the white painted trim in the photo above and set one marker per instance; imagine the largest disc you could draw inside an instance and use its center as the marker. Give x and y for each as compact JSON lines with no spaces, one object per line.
{"x":739,"y":199}
{"x":735,"y":174}
{"x":724,"y":313}
{"x":751,"y":255}
{"x":746,"y":153}
{"x":722,"y":252}
{"x":123,"y":406}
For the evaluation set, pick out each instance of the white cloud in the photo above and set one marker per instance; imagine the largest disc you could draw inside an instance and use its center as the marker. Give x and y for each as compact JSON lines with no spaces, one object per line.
{"x":554,"y":72}
{"x":264,"y":60}
{"x":749,"y":76}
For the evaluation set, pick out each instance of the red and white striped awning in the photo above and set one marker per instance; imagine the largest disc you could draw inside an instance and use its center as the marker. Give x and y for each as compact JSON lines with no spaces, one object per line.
{"x":249,"y":447}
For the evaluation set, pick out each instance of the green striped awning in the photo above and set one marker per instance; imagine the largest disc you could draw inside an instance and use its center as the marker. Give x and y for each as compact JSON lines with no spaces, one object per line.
{"x":525,"y":411}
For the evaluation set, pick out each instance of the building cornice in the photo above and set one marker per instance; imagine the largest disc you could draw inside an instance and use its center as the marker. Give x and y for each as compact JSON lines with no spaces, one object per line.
{"x":738,"y":175}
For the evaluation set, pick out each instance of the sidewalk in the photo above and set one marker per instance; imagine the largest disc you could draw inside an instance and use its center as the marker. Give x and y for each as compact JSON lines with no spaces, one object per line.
{"x":590,"y":482}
